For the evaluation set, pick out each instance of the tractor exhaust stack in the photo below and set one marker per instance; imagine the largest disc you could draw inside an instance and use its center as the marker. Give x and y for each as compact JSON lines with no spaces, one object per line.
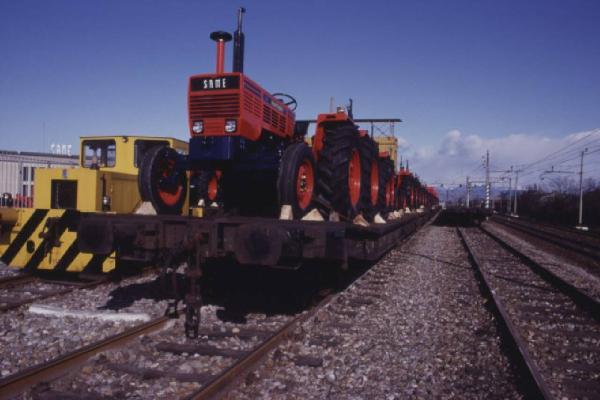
{"x":238,"y":43}
{"x":220,"y":38}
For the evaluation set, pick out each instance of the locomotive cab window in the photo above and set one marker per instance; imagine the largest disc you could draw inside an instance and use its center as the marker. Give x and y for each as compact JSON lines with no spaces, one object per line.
{"x":99,"y":153}
{"x":141,"y":148}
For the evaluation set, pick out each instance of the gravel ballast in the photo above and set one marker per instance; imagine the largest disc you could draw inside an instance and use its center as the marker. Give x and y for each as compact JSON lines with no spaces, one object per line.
{"x":7,"y":271}
{"x":28,"y":338}
{"x":569,"y":271}
{"x":425,"y":333}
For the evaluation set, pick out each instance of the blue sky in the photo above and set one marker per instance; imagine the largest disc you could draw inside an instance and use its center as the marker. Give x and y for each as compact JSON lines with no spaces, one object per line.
{"x":487,"y":69}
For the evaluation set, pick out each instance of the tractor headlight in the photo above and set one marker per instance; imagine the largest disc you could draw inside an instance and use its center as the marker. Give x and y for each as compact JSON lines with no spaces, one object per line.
{"x":105,"y":203}
{"x":230,"y":125}
{"x":198,"y":127}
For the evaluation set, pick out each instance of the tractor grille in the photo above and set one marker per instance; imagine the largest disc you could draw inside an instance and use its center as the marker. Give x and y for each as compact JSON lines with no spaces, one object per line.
{"x":252,"y":103}
{"x":273,"y":118}
{"x":214,"y":106}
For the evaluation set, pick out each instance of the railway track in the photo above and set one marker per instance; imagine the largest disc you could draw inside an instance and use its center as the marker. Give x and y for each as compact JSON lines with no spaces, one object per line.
{"x":243,"y":360}
{"x":225,"y":351}
{"x":23,"y":380}
{"x":553,"y":325}
{"x":19,"y":290}
{"x":229,"y":349}
{"x":12,"y":280}
{"x":579,"y":243}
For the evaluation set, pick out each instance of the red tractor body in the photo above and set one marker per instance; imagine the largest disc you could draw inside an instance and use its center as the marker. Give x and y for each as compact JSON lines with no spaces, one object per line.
{"x":231,"y":104}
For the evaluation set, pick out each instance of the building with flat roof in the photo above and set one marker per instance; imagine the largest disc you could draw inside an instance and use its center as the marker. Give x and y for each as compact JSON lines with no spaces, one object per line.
{"x":17,"y":172}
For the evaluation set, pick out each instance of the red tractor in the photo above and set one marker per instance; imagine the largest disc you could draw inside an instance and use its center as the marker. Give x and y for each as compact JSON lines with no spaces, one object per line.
{"x":249,"y":155}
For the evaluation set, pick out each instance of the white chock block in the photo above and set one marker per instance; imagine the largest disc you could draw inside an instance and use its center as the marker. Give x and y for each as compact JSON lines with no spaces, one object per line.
{"x":286,"y":212}
{"x":360,"y":220}
{"x":145,"y":208}
{"x":334,"y":216}
{"x":379,"y":219}
{"x":313,"y":215}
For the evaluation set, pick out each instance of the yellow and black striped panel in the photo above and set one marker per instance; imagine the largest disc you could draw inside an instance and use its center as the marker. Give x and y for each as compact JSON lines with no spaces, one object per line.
{"x":47,"y":240}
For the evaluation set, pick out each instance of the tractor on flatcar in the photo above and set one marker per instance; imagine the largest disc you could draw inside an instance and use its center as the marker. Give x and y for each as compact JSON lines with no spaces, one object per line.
{"x":249,"y":155}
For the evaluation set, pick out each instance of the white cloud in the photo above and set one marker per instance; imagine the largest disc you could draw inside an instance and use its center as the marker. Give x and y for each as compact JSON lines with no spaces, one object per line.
{"x":459,"y":154}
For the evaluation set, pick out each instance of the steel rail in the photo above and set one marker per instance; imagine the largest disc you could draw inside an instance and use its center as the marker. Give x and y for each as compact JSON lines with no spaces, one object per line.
{"x":590,"y":234}
{"x":579,"y":296}
{"x":25,"y":379}
{"x":516,"y":338}
{"x":58,"y":292}
{"x":222,"y":382}
{"x":585,"y":248}
{"x":16,"y":280}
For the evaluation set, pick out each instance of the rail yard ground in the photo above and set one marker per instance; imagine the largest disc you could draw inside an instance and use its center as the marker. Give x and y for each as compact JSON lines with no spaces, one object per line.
{"x":417,"y":324}
{"x":427,"y":334}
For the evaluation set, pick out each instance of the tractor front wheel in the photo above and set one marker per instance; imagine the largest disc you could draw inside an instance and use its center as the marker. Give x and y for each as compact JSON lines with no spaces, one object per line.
{"x":296,"y":179}
{"x":206,"y":185}
{"x":161,"y":182}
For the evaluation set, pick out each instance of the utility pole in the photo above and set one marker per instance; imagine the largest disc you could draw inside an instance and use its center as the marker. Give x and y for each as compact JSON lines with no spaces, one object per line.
{"x":487,"y":179}
{"x":468,"y":189}
{"x":509,"y":194}
{"x":516,"y":189}
{"x":580,"y":224}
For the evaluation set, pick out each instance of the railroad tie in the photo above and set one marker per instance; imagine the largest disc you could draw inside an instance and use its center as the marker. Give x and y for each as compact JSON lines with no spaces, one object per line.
{"x":205,"y":350}
{"x":150,"y":373}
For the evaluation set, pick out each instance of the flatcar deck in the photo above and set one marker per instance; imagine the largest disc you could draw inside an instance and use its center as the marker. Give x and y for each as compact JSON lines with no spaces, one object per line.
{"x":247,"y":240}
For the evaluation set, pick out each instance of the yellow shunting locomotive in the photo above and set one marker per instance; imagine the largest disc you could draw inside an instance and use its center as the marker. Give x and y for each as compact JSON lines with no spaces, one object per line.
{"x":45,"y":237}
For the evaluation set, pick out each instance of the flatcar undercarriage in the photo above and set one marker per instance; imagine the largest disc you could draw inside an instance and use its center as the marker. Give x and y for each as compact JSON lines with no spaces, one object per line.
{"x":170,"y":241}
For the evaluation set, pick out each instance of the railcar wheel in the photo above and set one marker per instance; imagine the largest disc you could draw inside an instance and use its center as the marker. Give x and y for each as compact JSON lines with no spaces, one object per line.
{"x":296,"y":179}
{"x":164,"y":185}
{"x":339,"y":180}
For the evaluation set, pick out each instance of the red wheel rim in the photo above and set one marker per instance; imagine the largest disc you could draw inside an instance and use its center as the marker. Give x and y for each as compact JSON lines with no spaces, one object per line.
{"x":354,"y":177}
{"x":389,"y":191}
{"x":374,"y":182}
{"x":213,"y":188}
{"x":305,"y":184}
{"x":169,"y":196}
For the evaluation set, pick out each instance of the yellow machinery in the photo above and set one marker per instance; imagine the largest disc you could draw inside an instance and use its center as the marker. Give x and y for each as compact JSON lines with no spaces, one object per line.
{"x":388,"y":144}
{"x":44,"y":237}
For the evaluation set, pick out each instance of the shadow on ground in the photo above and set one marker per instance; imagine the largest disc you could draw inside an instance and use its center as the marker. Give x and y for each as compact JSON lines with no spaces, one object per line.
{"x":241,"y":290}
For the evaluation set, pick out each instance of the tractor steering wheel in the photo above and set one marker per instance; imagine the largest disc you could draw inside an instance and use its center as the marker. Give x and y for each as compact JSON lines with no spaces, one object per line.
{"x":286,"y":99}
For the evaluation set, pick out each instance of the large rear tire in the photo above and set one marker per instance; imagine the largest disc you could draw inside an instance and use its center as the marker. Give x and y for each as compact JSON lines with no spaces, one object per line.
{"x":339,"y":174}
{"x":386,"y":197}
{"x":369,"y":154}
{"x":296,"y":179}
{"x":160,"y":182}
